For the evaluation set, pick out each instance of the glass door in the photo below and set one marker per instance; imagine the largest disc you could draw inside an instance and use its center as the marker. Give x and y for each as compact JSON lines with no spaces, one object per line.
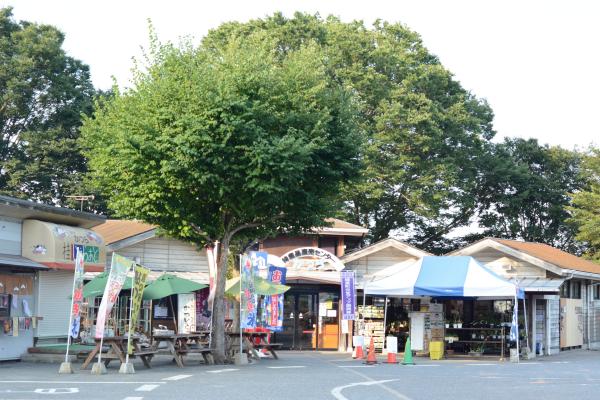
{"x":306,"y":325}
{"x":328,"y":335}
{"x":299,"y":330}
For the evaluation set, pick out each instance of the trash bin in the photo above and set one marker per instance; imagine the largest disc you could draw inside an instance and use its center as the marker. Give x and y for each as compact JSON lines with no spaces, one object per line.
{"x":436,"y":350}
{"x":538,"y":348}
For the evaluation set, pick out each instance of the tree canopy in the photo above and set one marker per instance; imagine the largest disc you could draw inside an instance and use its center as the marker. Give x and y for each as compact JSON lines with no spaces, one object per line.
{"x":424,"y":132}
{"x":43,"y":93}
{"x":586,"y":207}
{"x":213,"y":142}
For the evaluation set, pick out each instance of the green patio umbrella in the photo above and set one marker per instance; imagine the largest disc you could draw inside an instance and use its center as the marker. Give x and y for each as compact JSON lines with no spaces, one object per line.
{"x":261,"y":285}
{"x":167,"y":285}
{"x":95,"y":287}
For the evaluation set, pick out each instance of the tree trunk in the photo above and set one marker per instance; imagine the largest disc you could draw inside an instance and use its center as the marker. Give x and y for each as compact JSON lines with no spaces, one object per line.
{"x":218,"y":317}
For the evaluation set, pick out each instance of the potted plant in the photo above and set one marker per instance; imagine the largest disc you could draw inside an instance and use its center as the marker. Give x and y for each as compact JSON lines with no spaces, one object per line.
{"x":447,"y":325}
{"x":458,"y":324}
{"x":477,"y":351}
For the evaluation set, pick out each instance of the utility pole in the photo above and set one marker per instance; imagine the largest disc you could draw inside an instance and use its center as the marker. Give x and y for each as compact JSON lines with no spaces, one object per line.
{"x":81,"y":198}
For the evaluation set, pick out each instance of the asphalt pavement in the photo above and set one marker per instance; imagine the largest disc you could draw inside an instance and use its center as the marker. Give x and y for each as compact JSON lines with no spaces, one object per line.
{"x":317,"y":375}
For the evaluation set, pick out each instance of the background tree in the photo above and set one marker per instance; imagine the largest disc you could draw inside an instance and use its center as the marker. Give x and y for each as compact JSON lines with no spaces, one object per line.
{"x":586,"y":207}
{"x":525,"y":193}
{"x":43,"y":93}
{"x":225,"y":142}
{"x":424,"y":132}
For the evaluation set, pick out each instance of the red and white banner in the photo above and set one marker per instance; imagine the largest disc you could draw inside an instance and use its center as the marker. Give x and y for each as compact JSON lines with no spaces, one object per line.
{"x":119,"y":268}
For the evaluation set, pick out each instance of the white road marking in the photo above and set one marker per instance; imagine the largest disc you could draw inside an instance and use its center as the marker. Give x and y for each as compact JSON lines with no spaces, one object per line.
{"x":337,"y":391}
{"x":146,"y":388}
{"x":56,"y":391}
{"x":176,"y":377}
{"x":560,"y":362}
{"x":355,"y":366}
{"x":133,"y":398}
{"x":218,"y":371}
{"x":426,"y":365}
{"x":479,"y":364}
{"x":86,"y":382}
{"x":289,"y":366}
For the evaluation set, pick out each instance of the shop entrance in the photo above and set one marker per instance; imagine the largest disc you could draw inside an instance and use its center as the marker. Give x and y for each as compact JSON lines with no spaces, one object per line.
{"x":310,"y":321}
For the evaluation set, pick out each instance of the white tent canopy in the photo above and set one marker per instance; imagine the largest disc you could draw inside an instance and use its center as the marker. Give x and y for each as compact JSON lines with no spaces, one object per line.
{"x":444,"y":276}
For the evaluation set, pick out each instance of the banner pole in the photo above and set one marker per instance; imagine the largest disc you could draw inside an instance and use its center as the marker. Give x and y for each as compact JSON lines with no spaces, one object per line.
{"x":130,"y":313}
{"x":71,"y":309}
{"x":241,"y":308}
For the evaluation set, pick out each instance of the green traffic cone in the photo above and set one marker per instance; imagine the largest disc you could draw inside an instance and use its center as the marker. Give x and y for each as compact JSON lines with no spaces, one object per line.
{"x":408,"y":358}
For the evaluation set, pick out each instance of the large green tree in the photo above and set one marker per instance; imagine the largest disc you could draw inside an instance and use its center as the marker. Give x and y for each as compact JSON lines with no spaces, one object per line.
{"x":525,"y":193}
{"x":424,"y":132}
{"x":43,"y":93}
{"x":225,"y":142}
{"x":586,"y":207}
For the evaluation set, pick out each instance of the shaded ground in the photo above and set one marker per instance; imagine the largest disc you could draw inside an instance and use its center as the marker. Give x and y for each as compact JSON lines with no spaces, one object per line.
{"x":313,"y":375}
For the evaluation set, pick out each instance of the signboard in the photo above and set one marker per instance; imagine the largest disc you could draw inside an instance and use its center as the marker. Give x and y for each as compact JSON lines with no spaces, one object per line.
{"x":312,"y":259}
{"x":274,"y":304}
{"x":348,"y":295}
{"x":417,"y":330}
{"x":77,"y":295}
{"x":57,"y":245}
{"x":139,"y":282}
{"x":186,"y":315}
{"x":249,"y":269}
{"x":116,"y":278}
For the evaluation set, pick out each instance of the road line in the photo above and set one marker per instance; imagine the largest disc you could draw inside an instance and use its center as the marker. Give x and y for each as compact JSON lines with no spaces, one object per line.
{"x":133,"y":398}
{"x":355,"y":366}
{"x":289,"y":366}
{"x":381,"y":385}
{"x":176,"y":377}
{"x":479,"y":364}
{"x":146,"y":388}
{"x":426,"y":365}
{"x":218,"y":371}
{"x":88,"y":382}
{"x":337,"y":391}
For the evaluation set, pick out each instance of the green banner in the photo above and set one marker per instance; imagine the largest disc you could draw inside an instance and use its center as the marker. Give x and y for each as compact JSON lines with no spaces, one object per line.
{"x":137,"y":290}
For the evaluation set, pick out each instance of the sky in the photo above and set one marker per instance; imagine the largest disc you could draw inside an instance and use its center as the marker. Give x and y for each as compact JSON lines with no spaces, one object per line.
{"x":535,"y":62}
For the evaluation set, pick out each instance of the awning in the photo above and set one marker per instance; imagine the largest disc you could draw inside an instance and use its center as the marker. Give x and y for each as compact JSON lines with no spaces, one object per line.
{"x":444,"y":276}
{"x":532,"y":285}
{"x":55,"y":245}
{"x":9,"y":260}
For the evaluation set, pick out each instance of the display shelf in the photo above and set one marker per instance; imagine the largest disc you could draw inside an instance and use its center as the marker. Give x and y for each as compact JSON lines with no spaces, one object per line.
{"x":10,"y":318}
{"x":475,"y":329}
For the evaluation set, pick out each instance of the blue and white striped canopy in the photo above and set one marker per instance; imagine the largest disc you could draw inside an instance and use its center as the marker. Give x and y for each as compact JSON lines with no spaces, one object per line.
{"x":444,"y":276}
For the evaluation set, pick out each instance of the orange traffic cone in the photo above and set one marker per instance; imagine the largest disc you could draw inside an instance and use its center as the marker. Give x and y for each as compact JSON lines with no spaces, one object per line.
{"x":359,"y":352}
{"x":391,"y":358}
{"x":371,"y":356}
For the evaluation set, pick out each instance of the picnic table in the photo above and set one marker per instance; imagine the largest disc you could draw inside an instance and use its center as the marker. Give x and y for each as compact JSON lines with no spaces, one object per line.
{"x":182,"y":344}
{"x":255,"y":341}
{"x":118,"y":351}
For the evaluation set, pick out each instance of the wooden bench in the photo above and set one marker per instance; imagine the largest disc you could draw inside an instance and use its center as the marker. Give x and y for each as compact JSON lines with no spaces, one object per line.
{"x":206,"y":353}
{"x":145,"y":355}
{"x":270,"y":347}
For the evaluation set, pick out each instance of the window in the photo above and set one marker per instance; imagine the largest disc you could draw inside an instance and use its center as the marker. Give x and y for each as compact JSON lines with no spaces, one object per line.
{"x":576,"y":290}
{"x":596,"y":292}
{"x":565,"y":291}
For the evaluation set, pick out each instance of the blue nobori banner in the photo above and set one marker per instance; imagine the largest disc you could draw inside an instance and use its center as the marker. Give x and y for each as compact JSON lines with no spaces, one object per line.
{"x":348,"y":295}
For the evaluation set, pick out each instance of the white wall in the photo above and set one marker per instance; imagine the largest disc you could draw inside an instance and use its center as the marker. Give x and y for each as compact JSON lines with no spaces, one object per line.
{"x":507,"y":266}
{"x":375,"y":262}
{"x":164,"y":254}
{"x":10,"y":236}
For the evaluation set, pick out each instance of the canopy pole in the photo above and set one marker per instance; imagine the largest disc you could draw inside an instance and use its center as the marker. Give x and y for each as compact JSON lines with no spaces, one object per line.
{"x":241,"y":339}
{"x":385,"y":320}
{"x":173,"y":312}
